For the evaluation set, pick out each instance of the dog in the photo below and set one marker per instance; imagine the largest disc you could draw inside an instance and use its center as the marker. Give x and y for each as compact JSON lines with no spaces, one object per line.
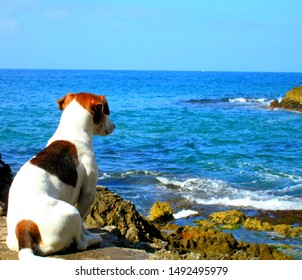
{"x":53,"y":190}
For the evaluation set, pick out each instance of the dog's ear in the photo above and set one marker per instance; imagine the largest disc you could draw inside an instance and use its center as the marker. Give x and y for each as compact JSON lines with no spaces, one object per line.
{"x":97,"y":113}
{"x":99,"y":107}
{"x":106,"y":110}
{"x":104,"y":102}
{"x":64,"y":101}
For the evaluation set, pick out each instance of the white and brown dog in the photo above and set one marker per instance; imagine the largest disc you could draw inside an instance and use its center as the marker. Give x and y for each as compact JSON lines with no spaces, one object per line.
{"x":53,"y":190}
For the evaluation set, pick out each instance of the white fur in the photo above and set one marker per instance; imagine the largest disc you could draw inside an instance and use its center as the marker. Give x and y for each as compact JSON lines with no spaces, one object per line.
{"x":55,"y":207}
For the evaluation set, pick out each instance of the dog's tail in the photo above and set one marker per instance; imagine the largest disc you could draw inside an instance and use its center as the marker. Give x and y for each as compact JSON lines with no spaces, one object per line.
{"x":29,"y":238}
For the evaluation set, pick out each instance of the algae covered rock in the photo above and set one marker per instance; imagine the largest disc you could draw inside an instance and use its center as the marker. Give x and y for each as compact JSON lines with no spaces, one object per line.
{"x":214,"y":244}
{"x":209,"y":243}
{"x":263,"y":252}
{"x":291,"y":101}
{"x":288,"y":230}
{"x":232,"y":217}
{"x":110,"y":209}
{"x":256,"y":224}
{"x":161,"y":212}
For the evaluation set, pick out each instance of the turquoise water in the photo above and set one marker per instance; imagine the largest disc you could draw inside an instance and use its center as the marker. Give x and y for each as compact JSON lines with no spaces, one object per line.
{"x":203,"y":140}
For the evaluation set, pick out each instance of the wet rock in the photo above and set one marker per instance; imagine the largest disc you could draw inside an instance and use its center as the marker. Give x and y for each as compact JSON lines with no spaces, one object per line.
{"x":261,"y":252}
{"x":275,"y":217}
{"x":110,"y":209}
{"x":205,"y":224}
{"x":215,"y":244}
{"x":296,"y":232}
{"x":6,"y":179}
{"x":232,"y":217}
{"x":229,"y":219}
{"x":161,"y":212}
{"x":288,"y":230}
{"x":291,"y":101}
{"x":285,"y":230}
{"x":256,"y":224}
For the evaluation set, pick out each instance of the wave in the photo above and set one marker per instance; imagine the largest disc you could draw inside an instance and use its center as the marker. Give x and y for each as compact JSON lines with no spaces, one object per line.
{"x":203,"y":191}
{"x":140,"y":173}
{"x":246,"y":100}
{"x":130,"y":173}
{"x":217,"y":192}
{"x":267,"y":204}
{"x":230,"y":100}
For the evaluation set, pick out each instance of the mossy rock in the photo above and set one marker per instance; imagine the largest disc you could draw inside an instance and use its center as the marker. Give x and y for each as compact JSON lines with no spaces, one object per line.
{"x":255,"y":224}
{"x":294,"y":95}
{"x":214,"y":244}
{"x":161,"y":212}
{"x":206,"y":224}
{"x":289,"y":230}
{"x":232,"y":217}
{"x":291,"y":101}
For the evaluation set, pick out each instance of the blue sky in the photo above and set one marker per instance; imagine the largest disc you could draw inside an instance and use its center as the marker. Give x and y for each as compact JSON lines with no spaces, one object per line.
{"x":213,"y":35}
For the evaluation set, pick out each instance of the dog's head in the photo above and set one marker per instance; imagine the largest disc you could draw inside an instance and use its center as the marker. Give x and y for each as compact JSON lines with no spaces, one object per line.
{"x":96,"y":105}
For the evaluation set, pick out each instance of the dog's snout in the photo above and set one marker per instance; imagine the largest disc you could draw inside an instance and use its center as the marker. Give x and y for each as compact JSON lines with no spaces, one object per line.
{"x":109,"y":129}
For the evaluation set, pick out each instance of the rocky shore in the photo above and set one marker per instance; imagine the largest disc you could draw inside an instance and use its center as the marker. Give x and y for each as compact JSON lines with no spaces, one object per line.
{"x":6,"y":179}
{"x":292,"y":100}
{"x":128,"y":235}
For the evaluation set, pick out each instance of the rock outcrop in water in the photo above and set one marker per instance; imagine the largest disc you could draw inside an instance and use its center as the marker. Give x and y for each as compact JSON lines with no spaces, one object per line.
{"x":161,"y":212}
{"x":234,"y":218}
{"x":291,"y":101}
{"x":213,"y":244}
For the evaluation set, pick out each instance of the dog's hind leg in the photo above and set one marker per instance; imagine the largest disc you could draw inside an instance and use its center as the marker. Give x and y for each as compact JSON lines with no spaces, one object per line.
{"x":63,"y":228}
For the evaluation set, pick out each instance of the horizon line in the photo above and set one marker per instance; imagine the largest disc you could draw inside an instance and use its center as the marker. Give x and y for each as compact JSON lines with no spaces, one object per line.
{"x":149,"y":70}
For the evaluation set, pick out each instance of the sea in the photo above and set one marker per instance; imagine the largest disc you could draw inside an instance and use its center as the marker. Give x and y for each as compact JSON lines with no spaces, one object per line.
{"x":204,"y":141}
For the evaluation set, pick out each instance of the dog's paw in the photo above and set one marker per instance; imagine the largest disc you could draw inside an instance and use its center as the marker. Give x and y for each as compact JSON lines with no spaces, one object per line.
{"x":94,"y":239}
{"x":88,"y":240}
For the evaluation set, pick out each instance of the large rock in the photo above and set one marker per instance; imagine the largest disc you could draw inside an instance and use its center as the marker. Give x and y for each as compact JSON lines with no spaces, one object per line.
{"x":110,"y":209}
{"x":237,"y":218}
{"x":214,"y":244}
{"x":232,"y":217}
{"x":161,"y":212}
{"x":291,"y":101}
{"x":256,"y":224}
{"x":6,"y":179}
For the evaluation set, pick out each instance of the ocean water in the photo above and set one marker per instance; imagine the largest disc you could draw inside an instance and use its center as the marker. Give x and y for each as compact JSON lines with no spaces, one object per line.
{"x":204,"y":141}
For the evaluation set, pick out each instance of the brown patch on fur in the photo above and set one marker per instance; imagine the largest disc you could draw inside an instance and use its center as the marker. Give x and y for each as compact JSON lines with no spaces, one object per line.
{"x":60,"y":158}
{"x":28,"y":235}
{"x":95,"y":104}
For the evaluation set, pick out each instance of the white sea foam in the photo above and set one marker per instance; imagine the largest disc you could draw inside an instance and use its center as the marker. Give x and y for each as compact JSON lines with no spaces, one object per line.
{"x":238,"y":99}
{"x":104,"y":176}
{"x":184,"y":213}
{"x":217,"y":192}
{"x":140,"y":172}
{"x":245,"y":100}
{"x":268,"y":204}
{"x":193,"y":184}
